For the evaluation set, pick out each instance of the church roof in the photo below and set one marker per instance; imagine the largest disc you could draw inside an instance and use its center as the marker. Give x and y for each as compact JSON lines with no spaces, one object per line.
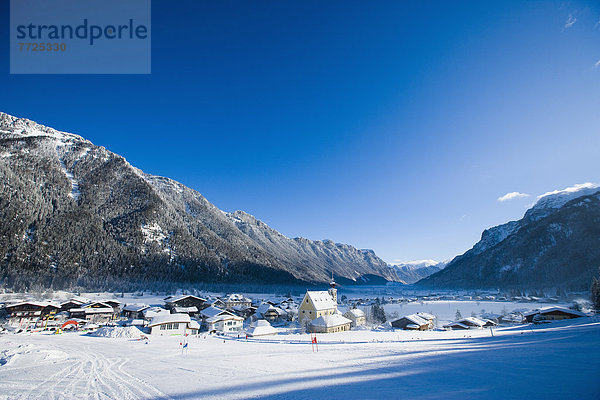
{"x":322,"y":300}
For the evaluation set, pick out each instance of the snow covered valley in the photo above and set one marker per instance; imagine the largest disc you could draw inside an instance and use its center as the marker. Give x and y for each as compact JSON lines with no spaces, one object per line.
{"x":549,"y":361}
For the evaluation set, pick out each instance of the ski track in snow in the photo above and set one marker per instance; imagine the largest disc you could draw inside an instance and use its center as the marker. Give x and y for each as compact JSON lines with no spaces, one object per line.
{"x":89,"y":374}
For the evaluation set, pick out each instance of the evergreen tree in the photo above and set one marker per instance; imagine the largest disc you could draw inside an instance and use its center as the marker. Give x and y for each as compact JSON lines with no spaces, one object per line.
{"x":596,"y":292}
{"x":458,"y":315}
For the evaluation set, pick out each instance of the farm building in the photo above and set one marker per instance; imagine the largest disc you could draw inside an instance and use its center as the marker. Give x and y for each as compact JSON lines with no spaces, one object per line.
{"x":173,"y":324}
{"x":270,"y":312}
{"x":261,"y":328}
{"x":412,"y":322}
{"x":357,"y":316}
{"x":329,"y":323}
{"x":185,"y":301}
{"x":470,"y":323}
{"x":552,"y":314}
{"x":134,"y":311}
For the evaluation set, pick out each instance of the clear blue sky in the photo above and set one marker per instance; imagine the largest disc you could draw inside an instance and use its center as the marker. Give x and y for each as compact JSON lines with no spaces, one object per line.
{"x":386,"y":125}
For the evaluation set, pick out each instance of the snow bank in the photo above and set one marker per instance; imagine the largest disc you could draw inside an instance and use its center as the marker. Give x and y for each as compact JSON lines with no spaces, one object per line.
{"x":130,"y":332}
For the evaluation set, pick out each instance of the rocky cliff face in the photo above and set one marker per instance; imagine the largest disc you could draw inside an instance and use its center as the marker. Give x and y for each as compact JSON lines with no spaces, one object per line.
{"x":73,"y":213}
{"x":556,"y":244}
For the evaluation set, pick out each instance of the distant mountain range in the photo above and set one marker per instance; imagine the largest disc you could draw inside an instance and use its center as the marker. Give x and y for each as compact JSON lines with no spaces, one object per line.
{"x":76,"y":214}
{"x":413,"y":271}
{"x":555,"y":244}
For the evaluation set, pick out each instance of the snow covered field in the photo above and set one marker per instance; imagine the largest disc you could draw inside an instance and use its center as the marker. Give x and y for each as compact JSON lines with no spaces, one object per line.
{"x":560,"y":360}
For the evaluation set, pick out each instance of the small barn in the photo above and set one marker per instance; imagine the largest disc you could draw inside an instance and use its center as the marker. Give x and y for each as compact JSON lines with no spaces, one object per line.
{"x":134,"y":311}
{"x":552,"y":314}
{"x":330,"y":324}
{"x":261,"y":328}
{"x":412,"y":322}
{"x":173,"y":324}
{"x":357,"y":316}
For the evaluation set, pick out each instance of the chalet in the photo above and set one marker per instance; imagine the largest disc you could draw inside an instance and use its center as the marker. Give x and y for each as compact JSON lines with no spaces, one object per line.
{"x":173,"y":324}
{"x":185,"y":301}
{"x":413,"y":322}
{"x":234,"y":300}
{"x":318,"y":303}
{"x":134,"y":311}
{"x":261,"y":328}
{"x":470,"y":323}
{"x":225,"y":322}
{"x":329,"y":323}
{"x":97,"y":312}
{"x":270,"y":312}
{"x":116,"y":305}
{"x":357,"y":316}
{"x":73,"y":302}
{"x":31,"y":309}
{"x":552,"y":314}
{"x":217,"y":303}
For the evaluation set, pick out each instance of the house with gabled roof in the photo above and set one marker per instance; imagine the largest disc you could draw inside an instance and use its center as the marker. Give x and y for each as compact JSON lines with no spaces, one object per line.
{"x":225,"y":322}
{"x":330,"y":323}
{"x":185,"y":301}
{"x":173,"y":324}
{"x":552,"y":314}
{"x":412,"y":322}
{"x":357,"y":316}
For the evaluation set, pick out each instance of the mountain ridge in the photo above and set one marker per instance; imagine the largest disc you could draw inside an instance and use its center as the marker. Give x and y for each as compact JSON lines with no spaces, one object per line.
{"x":77,"y":214}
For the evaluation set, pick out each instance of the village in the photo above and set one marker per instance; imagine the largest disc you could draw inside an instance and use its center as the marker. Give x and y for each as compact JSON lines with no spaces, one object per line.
{"x":236,"y":314}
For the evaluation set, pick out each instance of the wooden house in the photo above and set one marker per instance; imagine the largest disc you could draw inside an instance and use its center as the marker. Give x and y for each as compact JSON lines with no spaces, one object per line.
{"x":134,"y":311}
{"x":552,"y":314}
{"x":185,"y":301}
{"x":270,"y":313}
{"x":412,"y":322}
{"x":31,"y":309}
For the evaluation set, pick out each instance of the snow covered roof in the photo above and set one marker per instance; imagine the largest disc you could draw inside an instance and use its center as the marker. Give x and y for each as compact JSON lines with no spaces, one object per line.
{"x":237,"y":298}
{"x":265,"y":307}
{"x":224,"y":317}
{"x":154,"y":311}
{"x":261,"y":328}
{"x":135,"y":307}
{"x":329,"y":321}
{"x":211,"y":311}
{"x":472,"y":321}
{"x":92,"y":310}
{"x":193,"y":324}
{"x":545,"y":310}
{"x":356,"y":312}
{"x":192,"y":309}
{"x":426,"y":316}
{"x":34,"y":303}
{"x":456,"y":325}
{"x":322,"y":300}
{"x":169,"y":319}
{"x":416,"y":319}
{"x":174,"y":299}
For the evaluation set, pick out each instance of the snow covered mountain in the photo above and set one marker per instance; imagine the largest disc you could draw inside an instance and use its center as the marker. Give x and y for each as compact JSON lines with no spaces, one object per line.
{"x":555,"y":244}
{"x":413,"y":271}
{"x":73,"y":213}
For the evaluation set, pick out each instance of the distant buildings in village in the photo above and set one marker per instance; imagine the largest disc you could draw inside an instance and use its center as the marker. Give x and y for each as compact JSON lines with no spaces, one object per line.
{"x":187,"y":314}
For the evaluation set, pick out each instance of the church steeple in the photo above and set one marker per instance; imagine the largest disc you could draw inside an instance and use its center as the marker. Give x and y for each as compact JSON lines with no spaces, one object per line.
{"x":332,"y":289}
